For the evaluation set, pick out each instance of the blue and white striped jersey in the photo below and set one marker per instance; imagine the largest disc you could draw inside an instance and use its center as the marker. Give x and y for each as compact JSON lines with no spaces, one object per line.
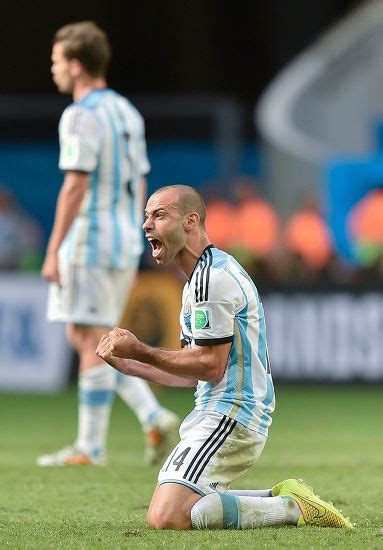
{"x":220,"y":303}
{"x":103,"y":135}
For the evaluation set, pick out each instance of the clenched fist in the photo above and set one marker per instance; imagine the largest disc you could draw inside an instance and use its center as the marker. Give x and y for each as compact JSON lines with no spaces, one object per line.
{"x":118,"y":342}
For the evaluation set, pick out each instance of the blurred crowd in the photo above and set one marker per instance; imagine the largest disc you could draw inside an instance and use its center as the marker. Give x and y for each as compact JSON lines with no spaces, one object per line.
{"x":21,"y":237}
{"x":240,"y":220}
{"x":297,"y":250}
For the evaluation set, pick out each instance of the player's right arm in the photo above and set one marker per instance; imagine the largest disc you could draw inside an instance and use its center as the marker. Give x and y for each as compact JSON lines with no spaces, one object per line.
{"x":207,"y":362}
{"x":150,"y":373}
{"x":79,"y":146}
{"x":142,"y":370}
{"x":212,"y":325}
{"x":68,"y":205}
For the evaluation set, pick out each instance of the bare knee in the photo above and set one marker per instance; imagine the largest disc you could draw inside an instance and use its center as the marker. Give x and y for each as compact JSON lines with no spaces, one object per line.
{"x":162,"y":517}
{"x":72,"y":336}
{"x":170,"y":507}
{"x":84,"y":338}
{"x":78,"y":336}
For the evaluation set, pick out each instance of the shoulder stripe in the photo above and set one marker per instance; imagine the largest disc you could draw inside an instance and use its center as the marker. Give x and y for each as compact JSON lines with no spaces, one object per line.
{"x":198,"y":278}
{"x":210,"y":261}
{"x":202,"y":277}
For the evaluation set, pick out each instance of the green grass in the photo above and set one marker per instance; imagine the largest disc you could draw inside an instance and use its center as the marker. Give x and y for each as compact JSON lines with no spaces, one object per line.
{"x":330,"y":435}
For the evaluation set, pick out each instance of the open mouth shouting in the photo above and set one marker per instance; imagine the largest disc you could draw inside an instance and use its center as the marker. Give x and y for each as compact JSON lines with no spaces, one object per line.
{"x":156,"y":246}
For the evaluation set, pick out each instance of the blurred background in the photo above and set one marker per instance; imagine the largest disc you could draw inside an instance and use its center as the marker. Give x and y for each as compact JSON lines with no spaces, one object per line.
{"x":274,"y":111}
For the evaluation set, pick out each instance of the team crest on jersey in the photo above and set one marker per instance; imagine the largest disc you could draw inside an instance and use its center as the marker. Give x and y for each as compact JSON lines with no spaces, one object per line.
{"x":202,"y":318}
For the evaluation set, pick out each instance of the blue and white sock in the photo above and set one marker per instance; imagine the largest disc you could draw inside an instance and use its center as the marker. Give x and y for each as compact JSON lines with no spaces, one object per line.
{"x":96,"y":393}
{"x":137,"y":394}
{"x":227,"y":511}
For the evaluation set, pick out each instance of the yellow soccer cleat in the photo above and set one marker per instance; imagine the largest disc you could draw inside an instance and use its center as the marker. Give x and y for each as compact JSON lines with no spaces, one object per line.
{"x":315,"y":511}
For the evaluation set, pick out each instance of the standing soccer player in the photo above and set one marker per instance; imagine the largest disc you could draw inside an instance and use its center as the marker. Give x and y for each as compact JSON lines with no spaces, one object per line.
{"x":96,"y":242}
{"x":224,"y":353}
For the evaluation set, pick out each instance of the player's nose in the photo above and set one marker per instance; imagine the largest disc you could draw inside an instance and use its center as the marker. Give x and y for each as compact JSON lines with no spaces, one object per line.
{"x":147,"y":224}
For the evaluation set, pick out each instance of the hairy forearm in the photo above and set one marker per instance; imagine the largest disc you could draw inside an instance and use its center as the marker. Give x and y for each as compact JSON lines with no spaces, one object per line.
{"x":198,"y":363}
{"x":150,"y":373}
{"x":67,"y":208}
{"x":195,"y":363}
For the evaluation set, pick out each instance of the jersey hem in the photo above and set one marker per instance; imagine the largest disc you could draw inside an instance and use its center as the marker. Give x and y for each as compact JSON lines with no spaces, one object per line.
{"x":260,"y":431}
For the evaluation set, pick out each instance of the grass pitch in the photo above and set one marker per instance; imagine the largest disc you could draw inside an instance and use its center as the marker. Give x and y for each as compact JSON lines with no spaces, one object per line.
{"x":330,"y":435}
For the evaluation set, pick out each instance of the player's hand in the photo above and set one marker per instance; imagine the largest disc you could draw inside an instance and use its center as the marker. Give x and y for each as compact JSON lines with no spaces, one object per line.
{"x":122,"y":343}
{"x":104,"y":346}
{"x":50,"y":269}
{"x":104,"y":349}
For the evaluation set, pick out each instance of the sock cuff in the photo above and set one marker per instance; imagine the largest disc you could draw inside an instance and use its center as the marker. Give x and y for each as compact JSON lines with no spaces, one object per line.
{"x":98,"y":377}
{"x":96,"y":386}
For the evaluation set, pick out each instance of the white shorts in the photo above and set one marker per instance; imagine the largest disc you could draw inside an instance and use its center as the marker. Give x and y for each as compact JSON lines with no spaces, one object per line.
{"x":87,"y":295}
{"x":214,"y":451}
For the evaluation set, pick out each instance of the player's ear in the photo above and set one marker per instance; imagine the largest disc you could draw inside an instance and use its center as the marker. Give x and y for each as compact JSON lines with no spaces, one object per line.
{"x":75,"y":67}
{"x":192,"y":220}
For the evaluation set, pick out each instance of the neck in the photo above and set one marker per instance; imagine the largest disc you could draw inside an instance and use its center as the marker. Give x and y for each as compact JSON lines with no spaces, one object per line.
{"x":86,"y":85}
{"x":188,"y":257}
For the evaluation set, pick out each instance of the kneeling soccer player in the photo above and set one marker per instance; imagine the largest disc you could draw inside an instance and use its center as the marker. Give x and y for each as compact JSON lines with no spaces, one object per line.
{"x":225,"y":354}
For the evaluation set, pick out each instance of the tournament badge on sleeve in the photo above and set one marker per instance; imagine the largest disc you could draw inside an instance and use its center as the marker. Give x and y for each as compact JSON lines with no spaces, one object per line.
{"x":202,"y":318}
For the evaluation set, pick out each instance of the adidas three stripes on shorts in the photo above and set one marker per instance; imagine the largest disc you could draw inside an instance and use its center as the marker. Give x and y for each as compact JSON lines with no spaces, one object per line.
{"x":213,"y":451}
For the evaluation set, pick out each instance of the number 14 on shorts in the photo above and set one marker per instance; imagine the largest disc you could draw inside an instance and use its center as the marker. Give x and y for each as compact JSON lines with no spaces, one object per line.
{"x":177,"y":458}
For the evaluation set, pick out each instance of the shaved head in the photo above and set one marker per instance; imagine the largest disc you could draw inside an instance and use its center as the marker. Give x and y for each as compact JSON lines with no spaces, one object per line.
{"x":187,"y":200}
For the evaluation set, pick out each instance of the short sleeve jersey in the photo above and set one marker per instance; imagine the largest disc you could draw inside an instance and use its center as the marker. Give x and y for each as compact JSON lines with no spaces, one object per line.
{"x":220,"y":303}
{"x":103,"y":135}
